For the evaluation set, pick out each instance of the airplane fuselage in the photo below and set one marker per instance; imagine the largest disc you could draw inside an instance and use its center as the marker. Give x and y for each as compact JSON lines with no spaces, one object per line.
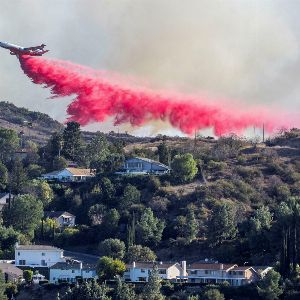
{"x":18,"y":50}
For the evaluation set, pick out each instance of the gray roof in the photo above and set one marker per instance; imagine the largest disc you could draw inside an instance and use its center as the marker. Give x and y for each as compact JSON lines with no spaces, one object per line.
{"x":71,"y":265}
{"x":37,"y":247}
{"x":11,"y":270}
{"x":150,"y":161}
{"x":56,"y":214}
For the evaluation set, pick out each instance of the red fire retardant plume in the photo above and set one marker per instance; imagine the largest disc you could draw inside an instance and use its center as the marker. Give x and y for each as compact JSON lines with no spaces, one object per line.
{"x":96,"y":98}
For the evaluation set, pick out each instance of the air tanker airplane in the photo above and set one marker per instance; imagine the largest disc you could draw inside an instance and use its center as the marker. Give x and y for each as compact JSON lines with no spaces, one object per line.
{"x":18,"y":50}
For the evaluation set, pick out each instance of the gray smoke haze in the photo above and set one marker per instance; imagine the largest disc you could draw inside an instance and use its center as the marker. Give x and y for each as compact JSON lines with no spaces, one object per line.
{"x":247,"y":50}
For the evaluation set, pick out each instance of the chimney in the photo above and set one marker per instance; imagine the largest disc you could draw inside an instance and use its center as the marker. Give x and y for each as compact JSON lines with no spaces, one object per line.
{"x":221,"y":266}
{"x":80,"y":265}
{"x":133,"y":265}
{"x":183,"y":266}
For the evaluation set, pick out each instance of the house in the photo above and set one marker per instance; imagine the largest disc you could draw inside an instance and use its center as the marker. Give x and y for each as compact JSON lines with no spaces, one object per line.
{"x":63,"y":218}
{"x":70,"y":175}
{"x":140,"y":271}
{"x":141,"y":165}
{"x":11,"y":272}
{"x":70,"y":271}
{"x":216,"y":273}
{"x":37,"y":255}
{"x":4,"y":199}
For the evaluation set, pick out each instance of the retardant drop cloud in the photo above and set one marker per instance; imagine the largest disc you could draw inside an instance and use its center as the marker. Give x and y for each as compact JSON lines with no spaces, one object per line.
{"x":98,"y":96}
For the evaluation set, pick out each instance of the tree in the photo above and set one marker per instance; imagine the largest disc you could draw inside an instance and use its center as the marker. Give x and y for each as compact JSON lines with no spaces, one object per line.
{"x":3,"y":176}
{"x":163,"y":153}
{"x":96,"y":214}
{"x":2,"y":287}
{"x":108,"y":268}
{"x":110,"y":222}
{"x":18,"y":177}
{"x":8,"y":238}
{"x":191,"y":229}
{"x":150,"y":228}
{"x":140,"y":253}
{"x":72,"y":141}
{"x":184,"y":167}
{"x":213,"y":294}
{"x":131,"y":195}
{"x":124,"y":291}
{"x":97,"y":150}
{"x":113,"y":248}
{"x":59,"y":163}
{"x":9,"y":142}
{"x":41,"y":190}
{"x":268,"y":287}
{"x":27,"y":274}
{"x":87,"y":290}
{"x":262,"y":219}
{"x":24,"y":214}
{"x":152,"y":288}
{"x":222,"y":225}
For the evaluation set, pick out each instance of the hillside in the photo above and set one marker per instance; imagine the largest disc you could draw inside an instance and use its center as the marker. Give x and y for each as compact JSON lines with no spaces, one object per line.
{"x":38,"y":127}
{"x":35,"y":125}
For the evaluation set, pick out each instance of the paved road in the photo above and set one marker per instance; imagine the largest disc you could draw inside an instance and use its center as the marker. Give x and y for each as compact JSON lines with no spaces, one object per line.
{"x":84,"y":257}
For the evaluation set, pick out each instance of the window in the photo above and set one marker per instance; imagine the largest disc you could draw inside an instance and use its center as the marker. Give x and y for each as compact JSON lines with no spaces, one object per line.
{"x":53,"y":278}
{"x":43,"y":254}
{"x":162,"y":271}
{"x":207,"y":272}
{"x":22,"y":262}
{"x":194,"y":272}
{"x":142,"y":270}
{"x":43,"y":262}
{"x":241,"y":273}
{"x":73,"y":271}
{"x":142,"y":279}
{"x":18,"y":253}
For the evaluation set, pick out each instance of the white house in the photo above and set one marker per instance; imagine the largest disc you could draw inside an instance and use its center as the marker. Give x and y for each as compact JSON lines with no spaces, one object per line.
{"x":37,"y":255}
{"x":4,"y":199}
{"x":63,"y":218}
{"x":216,"y":273}
{"x":70,"y":271}
{"x":140,"y":271}
{"x":70,"y":175}
{"x":141,"y":165}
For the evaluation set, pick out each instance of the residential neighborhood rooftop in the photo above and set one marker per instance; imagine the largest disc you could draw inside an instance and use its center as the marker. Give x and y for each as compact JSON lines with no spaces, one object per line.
{"x":37,"y":247}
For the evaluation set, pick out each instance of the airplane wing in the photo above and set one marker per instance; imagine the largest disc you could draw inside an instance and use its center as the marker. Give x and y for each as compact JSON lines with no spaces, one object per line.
{"x":41,"y":47}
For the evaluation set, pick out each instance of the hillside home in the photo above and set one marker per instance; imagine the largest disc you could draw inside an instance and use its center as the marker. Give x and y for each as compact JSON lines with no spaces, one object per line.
{"x":140,"y":271}
{"x":70,"y":175}
{"x":37,"y":255}
{"x":4,"y":199}
{"x":141,"y":165}
{"x":70,"y":271}
{"x":216,"y":273}
{"x":63,"y":218}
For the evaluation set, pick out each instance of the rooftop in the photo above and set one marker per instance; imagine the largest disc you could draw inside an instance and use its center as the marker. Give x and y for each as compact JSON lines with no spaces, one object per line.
{"x":209,"y":266}
{"x":150,"y":265}
{"x":37,"y":247}
{"x":69,"y":265}
{"x":150,"y":161}
{"x":56,"y":214}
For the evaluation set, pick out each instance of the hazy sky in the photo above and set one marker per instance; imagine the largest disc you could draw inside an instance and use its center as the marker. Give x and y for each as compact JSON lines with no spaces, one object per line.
{"x":242,"y":49}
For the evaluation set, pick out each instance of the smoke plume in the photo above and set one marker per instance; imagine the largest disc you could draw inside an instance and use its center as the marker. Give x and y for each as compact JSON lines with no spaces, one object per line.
{"x":99,"y":95}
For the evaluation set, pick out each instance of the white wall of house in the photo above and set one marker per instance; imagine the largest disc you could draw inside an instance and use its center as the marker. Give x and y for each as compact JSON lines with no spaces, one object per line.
{"x":38,"y":258}
{"x":62,"y":175}
{"x":136,"y":274}
{"x":66,"y":220}
{"x":70,"y":275}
